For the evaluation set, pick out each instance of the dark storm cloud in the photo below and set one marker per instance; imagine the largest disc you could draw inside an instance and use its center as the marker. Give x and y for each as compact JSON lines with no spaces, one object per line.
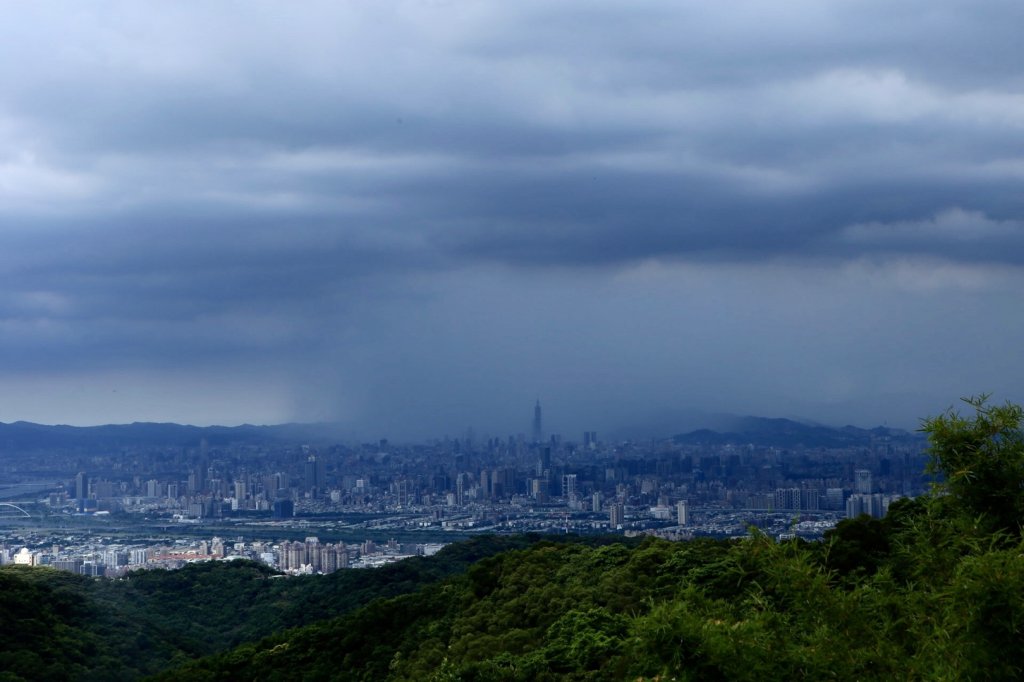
{"x":303,"y":193}
{"x":673,"y":132}
{"x":154,"y":288}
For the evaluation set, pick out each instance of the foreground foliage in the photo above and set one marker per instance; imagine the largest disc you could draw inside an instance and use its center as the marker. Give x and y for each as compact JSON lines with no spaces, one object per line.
{"x":933,"y":591}
{"x":57,"y":625}
{"x":751,"y":610}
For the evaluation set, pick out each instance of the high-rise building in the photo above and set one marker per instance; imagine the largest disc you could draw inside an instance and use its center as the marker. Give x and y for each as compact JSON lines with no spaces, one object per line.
{"x":538,"y":431}
{"x":292,"y":555}
{"x":616,"y":515}
{"x":195,"y":481}
{"x":333,"y":557}
{"x":283,"y":509}
{"x":834,"y":498}
{"x":102,"y":489}
{"x":568,"y":485}
{"x":72,"y":565}
{"x":544,"y":463}
{"x":498,"y":486}
{"x":313,"y":553}
{"x":81,"y":486}
{"x":539,"y":489}
{"x":787,"y":498}
{"x":874,"y":505}
{"x":281,"y":484}
{"x":315,"y":474}
{"x":682,"y":513}
{"x":862,"y":481}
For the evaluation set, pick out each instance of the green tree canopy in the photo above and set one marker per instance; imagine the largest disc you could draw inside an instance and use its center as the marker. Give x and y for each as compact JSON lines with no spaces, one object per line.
{"x":981,"y":462}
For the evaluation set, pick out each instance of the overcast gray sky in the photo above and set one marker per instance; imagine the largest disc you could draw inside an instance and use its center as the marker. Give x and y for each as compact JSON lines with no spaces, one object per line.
{"x":416,"y":217}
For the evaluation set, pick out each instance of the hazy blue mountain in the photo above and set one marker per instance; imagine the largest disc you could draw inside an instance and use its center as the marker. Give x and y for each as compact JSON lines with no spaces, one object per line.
{"x":29,"y":436}
{"x":790,"y":433}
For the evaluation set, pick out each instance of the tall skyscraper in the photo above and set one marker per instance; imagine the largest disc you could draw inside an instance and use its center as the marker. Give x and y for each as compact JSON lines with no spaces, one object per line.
{"x":682,"y":512}
{"x":544,"y":462}
{"x":568,"y":485}
{"x":82,"y":485}
{"x":195,"y":481}
{"x":283,"y":509}
{"x":616,"y":515}
{"x":316,"y":475}
{"x":538,"y":432}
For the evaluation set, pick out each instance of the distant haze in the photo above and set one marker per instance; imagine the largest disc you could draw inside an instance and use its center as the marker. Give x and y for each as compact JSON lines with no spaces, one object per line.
{"x":416,"y":217}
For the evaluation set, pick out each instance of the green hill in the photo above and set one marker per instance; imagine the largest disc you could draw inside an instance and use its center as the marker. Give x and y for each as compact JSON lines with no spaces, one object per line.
{"x":914,"y":597}
{"x":57,"y":625}
{"x":935,"y":591}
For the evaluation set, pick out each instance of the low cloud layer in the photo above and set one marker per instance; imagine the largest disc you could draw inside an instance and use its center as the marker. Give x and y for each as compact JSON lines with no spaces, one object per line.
{"x":415,"y":217}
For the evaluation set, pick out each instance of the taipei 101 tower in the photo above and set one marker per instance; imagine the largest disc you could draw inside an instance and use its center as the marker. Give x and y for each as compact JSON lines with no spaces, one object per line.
{"x":538,"y":434}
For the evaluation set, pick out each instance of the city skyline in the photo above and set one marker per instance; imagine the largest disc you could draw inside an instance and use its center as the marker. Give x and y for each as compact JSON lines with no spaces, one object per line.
{"x":25,"y":434}
{"x":414,"y":218}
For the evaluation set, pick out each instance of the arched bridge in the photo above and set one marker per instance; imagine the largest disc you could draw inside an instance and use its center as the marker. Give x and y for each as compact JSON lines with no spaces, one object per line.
{"x":12,"y":511}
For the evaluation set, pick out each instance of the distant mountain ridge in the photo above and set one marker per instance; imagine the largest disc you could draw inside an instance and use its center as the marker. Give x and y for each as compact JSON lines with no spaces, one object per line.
{"x":30,"y":436}
{"x":762,"y":431}
{"x":789,"y":433}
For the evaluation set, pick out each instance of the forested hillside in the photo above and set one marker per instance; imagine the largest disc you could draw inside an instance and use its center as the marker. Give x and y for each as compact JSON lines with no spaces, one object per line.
{"x":57,"y":625}
{"x":874,"y":602}
{"x":933,"y":591}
